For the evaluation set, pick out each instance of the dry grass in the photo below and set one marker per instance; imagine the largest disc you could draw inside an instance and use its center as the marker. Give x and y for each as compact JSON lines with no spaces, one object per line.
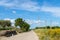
{"x":48,"y":34}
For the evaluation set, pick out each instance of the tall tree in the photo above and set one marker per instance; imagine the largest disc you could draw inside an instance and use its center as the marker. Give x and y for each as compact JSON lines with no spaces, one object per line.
{"x":24,"y":26}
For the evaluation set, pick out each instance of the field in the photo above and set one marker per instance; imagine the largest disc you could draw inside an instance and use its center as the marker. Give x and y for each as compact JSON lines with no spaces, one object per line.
{"x":48,"y":34}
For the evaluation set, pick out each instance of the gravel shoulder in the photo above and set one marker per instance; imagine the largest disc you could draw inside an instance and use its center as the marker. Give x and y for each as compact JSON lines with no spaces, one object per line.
{"x":22,"y":36}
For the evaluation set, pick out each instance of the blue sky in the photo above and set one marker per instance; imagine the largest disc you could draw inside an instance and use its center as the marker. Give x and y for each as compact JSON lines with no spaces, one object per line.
{"x":34,"y":12}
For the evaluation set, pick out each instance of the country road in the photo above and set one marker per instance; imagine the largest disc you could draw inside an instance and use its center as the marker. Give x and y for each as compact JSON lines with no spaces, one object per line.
{"x":22,"y":36}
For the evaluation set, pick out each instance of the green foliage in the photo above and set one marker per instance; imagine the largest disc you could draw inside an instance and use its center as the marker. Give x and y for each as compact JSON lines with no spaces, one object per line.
{"x":5,"y":23}
{"x":40,"y":27}
{"x":6,"y":28}
{"x":18,"y":22}
{"x":22,"y":24}
{"x":55,"y":27}
{"x":48,"y":27}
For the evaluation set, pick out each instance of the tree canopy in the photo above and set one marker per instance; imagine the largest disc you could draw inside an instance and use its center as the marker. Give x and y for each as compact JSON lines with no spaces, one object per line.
{"x":24,"y":26}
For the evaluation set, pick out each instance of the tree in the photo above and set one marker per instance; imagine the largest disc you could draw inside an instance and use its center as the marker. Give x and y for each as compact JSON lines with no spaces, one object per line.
{"x":48,"y":27}
{"x":24,"y":26}
{"x":5,"y":23}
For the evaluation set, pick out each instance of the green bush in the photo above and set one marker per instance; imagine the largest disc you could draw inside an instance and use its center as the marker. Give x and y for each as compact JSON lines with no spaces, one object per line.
{"x":7,"y":28}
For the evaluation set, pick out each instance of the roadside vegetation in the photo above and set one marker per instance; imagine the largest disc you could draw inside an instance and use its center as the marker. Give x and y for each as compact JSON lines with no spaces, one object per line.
{"x":7,"y":29}
{"x":19,"y":22}
{"x":48,"y":33}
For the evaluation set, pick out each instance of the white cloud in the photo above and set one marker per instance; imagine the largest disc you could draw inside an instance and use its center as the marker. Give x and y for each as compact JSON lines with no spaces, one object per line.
{"x":55,"y":11}
{"x":20,"y":4}
{"x":14,"y":12}
{"x":34,"y":21}
{"x":12,"y":20}
{"x":55,"y":23}
{"x":29,"y":5}
{"x":5,"y":3}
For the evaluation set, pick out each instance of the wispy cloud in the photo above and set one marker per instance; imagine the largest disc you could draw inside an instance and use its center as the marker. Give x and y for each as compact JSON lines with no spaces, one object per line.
{"x":55,"y":23}
{"x":55,"y":11}
{"x":30,"y":5}
{"x":34,"y":21}
{"x":20,"y":4}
